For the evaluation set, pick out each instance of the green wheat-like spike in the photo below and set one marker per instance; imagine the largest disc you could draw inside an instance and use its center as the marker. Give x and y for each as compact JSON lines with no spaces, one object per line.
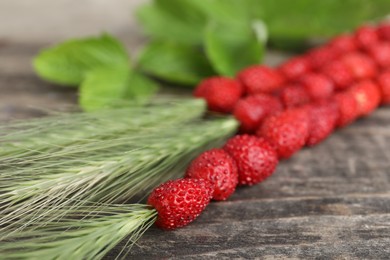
{"x":84,"y":234}
{"x":37,"y":144}
{"x":120,"y":169}
{"x":38,"y":138}
{"x":52,"y":169}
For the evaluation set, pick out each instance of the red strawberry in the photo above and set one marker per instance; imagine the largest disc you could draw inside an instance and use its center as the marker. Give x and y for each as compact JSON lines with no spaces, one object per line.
{"x":384,"y":85}
{"x":380,"y":53}
{"x":361,"y":65}
{"x":260,"y":79}
{"x":320,"y":56}
{"x":179,"y":202}
{"x":323,"y":118}
{"x":339,"y":73}
{"x":366,"y":36}
{"x":255,"y":158}
{"x":287,"y":131}
{"x":317,"y":86}
{"x":367,"y":96}
{"x":220,"y":93}
{"x":343,"y":43}
{"x":295,"y":67}
{"x":251,"y":110}
{"x":383,"y":31}
{"x":294,"y":95}
{"x":217,"y":167}
{"x":348,"y":109}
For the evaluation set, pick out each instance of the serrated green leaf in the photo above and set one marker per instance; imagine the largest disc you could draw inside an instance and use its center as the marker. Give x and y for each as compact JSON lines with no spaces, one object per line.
{"x":230,"y":51}
{"x":174,"y":62}
{"x":177,"y":20}
{"x":114,"y":87}
{"x":68,"y":62}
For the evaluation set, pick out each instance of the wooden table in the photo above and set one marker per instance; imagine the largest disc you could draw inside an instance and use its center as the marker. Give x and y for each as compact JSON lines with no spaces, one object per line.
{"x":330,"y":201}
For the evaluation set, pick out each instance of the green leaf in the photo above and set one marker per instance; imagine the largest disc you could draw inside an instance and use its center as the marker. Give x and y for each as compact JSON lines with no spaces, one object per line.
{"x":230,"y":51}
{"x":114,"y":87}
{"x":177,"y":20}
{"x":140,"y":88}
{"x":291,"y":22}
{"x":68,"y":62}
{"x":300,"y":19}
{"x":174,"y":62}
{"x":231,"y":12}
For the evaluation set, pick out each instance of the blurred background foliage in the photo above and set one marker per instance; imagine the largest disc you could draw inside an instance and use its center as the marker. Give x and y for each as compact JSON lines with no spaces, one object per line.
{"x":189,"y":40}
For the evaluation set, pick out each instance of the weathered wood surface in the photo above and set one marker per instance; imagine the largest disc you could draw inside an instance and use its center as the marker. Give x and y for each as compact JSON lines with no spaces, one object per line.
{"x":330,"y":201}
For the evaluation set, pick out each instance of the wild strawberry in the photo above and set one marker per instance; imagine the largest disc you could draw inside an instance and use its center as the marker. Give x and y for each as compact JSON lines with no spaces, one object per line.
{"x":294,"y":95}
{"x":255,"y":158}
{"x":220,"y":93}
{"x":295,"y":67}
{"x":361,"y":65}
{"x":339,"y":73}
{"x":318,"y":86}
{"x":320,"y":56}
{"x":366,"y":36}
{"x":380,"y":53}
{"x":323,"y":116}
{"x":286,"y":131}
{"x":383,"y":31}
{"x":367,"y":96}
{"x":343,"y":43}
{"x":348,"y":108}
{"x":179,"y":202}
{"x":260,"y":79}
{"x":217,"y":167}
{"x":384,"y":86}
{"x":251,"y":110}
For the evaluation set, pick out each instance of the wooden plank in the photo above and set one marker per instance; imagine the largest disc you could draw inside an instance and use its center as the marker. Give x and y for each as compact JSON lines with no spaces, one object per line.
{"x":323,"y":236}
{"x":331,"y":201}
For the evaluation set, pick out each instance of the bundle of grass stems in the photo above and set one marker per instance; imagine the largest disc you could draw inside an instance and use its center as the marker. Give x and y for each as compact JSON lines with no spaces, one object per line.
{"x":71,"y":185}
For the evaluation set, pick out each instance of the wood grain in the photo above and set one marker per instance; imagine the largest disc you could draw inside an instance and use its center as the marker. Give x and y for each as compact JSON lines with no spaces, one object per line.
{"x":328,"y":202}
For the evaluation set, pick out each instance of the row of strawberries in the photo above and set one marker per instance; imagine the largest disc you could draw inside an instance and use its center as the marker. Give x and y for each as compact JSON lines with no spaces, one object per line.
{"x":280,"y":110}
